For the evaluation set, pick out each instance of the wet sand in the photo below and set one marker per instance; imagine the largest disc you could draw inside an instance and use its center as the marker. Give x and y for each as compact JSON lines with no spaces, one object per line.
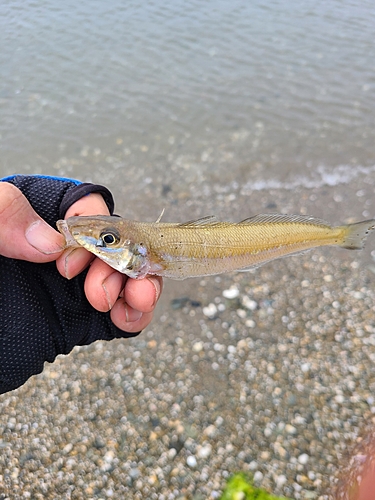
{"x":270,"y":372}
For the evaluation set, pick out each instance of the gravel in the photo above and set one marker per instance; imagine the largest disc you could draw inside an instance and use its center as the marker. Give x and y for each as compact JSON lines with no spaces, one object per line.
{"x":269,"y":371}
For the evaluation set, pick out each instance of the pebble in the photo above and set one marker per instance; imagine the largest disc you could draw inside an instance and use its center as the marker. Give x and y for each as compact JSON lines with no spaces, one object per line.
{"x":267,"y":432}
{"x":210,"y":431}
{"x":249,"y":303}
{"x":204,"y":451}
{"x":241,"y":313}
{"x":305,"y":367}
{"x":198,"y":346}
{"x":231,"y":293}
{"x":303,"y":458}
{"x":258,"y":476}
{"x":290,"y":429}
{"x":210,"y":310}
{"x":191,"y":461}
{"x":281,"y":480}
{"x":250,"y":323}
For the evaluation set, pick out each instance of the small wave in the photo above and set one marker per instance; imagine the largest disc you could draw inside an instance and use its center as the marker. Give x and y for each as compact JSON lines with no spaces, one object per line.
{"x":321,"y":176}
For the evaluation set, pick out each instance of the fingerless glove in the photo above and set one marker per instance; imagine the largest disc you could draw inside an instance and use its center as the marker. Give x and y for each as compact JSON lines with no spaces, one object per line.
{"x":43,"y":314}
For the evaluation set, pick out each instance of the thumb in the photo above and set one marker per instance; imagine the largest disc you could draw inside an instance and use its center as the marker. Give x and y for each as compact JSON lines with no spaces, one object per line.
{"x":23,"y":234}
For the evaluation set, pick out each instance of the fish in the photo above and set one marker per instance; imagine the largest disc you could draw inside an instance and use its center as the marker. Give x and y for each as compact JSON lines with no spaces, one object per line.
{"x":204,"y":246}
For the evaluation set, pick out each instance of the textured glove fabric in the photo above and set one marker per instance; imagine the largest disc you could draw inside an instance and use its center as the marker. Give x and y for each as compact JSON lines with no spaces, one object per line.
{"x":43,"y":314}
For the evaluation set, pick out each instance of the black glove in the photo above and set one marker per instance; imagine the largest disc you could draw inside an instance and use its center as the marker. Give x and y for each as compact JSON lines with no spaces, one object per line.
{"x":43,"y":314}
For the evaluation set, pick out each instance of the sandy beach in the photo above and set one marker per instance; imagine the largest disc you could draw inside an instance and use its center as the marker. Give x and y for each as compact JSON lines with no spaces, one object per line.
{"x":269,"y":372}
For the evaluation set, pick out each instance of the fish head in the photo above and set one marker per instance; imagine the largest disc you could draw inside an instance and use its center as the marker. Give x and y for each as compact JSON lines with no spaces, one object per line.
{"x":101,"y":235}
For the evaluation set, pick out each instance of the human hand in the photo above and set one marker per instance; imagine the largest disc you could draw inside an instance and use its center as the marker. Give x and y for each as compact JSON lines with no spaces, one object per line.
{"x":24,"y":235}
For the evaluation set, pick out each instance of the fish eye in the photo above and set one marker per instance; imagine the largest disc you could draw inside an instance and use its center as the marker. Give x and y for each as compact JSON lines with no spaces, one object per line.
{"x":110,"y":237}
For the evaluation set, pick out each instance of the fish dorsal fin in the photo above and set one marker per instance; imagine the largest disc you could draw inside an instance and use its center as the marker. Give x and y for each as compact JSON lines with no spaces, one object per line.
{"x":204,"y":221}
{"x":284,"y":219}
{"x":160,"y":216}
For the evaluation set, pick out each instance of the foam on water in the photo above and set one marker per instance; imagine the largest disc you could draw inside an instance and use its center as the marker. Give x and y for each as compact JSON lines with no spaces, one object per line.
{"x":321,"y":176}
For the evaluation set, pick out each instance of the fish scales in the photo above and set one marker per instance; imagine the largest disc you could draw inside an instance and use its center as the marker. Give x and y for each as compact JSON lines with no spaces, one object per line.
{"x":205,"y":246}
{"x":226,"y":247}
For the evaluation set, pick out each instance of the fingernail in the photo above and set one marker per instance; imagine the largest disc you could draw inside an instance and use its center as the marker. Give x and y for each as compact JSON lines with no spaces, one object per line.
{"x":42,"y":237}
{"x":156,"y":284}
{"x":67,"y":261}
{"x":107,"y":296}
{"x":113,"y":282}
{"x":132,"y":314}
{"x":75,"y":262}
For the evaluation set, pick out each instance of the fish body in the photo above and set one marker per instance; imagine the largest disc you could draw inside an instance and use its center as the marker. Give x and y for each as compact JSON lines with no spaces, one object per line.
{"x":204,"y":246}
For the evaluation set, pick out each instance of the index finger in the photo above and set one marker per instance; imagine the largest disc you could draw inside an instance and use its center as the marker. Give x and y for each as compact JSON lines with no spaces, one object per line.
{"x":74,"y":260}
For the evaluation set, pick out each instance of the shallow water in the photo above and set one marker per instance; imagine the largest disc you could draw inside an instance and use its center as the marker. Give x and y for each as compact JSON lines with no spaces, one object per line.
{"x":181,"y":93}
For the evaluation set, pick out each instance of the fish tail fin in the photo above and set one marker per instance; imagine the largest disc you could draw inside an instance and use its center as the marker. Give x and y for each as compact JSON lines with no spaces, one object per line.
{"x":355,"y":234}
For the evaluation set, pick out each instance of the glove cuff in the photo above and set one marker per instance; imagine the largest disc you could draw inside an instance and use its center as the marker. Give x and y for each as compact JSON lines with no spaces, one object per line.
{"x":81,"y":190}
{"x":51,"y":197}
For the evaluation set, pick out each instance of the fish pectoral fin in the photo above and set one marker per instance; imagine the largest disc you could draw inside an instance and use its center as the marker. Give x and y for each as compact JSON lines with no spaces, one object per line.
{"x":180,"y":268}
{"x":210,"y":219}
{"x":283,"y":219}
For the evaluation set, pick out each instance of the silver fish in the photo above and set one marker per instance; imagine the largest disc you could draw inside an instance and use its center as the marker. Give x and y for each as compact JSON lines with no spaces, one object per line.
{"x":205,"y":246}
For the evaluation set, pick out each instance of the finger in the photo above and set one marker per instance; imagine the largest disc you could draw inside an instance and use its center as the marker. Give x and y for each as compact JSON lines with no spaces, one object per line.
{"x":134,"y":311}
{"x":143,"y":294}
{"x":129,"y":319}
{"x":23,"y":234}
{"x":75,"y":260}
{"x":103,"y":285}
{"x":92,"y":204}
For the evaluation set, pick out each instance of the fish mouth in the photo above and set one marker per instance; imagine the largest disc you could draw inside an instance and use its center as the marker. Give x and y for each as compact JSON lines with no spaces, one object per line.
{"x":74,"y":238}
{"x":63,"y":227}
